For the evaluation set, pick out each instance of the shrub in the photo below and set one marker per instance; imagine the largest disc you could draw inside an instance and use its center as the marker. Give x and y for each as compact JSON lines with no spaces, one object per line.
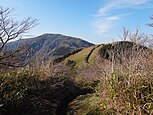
{"x":13,"y":89}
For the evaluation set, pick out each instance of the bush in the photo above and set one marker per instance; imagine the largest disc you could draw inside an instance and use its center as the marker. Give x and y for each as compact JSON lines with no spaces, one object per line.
{"x":13,"y":89}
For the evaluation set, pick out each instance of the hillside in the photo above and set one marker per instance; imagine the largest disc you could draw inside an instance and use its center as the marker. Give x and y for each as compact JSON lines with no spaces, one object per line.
{"x":105,"y":51}
{"x":113,"y":78}
{"x":117,"y":71}
{"x":48,"y":46}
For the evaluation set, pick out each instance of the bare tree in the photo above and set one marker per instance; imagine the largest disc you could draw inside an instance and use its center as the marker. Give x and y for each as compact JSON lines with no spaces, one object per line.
{"x":124,"y":34}
{"x":150,"y":41}
{"x":151,"y":24}
{"x":11,"y":29}
{"x":137,"y":37}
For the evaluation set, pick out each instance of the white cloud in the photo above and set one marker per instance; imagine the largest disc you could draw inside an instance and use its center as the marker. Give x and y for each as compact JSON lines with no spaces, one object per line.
{"x":104,"y":22}
{"x":112,"y":18}
{"x":136,"y":2}
{"x":105,"y":9}
{"x":104,"y":25}
{"x":113,"y":4}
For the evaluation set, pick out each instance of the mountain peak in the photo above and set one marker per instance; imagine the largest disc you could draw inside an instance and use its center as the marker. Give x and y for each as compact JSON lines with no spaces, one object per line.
{"x":50,"y":45}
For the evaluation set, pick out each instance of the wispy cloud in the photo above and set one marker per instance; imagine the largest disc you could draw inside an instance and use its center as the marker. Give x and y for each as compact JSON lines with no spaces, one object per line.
{"x":105,"y":22}
{"x":119,"y":4}
{"x":104,"y":25}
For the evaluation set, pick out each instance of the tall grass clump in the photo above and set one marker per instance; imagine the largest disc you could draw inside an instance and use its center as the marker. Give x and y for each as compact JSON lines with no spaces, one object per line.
{"x":133,"y":98}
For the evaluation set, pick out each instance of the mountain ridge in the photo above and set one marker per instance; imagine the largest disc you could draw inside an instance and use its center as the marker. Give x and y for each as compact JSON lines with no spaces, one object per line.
{"x":49,"y":46}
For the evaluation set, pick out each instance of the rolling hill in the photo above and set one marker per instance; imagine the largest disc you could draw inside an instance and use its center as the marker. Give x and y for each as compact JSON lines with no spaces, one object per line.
{"x":105,"y":51}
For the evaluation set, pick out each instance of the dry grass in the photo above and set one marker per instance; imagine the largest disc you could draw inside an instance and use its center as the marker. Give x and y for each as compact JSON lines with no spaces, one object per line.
{"x":128,"y":87}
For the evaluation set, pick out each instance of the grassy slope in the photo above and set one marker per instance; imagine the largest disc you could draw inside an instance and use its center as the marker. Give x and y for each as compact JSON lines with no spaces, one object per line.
{"x":94,"y":54}
{"x":80,"y":57}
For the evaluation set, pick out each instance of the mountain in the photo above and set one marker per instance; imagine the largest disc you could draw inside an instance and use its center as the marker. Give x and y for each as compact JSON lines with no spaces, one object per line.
{"x":49,"y":46}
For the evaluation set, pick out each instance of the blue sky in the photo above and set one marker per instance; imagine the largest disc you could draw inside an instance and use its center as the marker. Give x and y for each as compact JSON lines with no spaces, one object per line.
{"x":97,"y":21}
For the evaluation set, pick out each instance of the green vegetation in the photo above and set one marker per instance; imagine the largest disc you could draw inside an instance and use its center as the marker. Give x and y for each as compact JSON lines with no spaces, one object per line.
{"x":34,"y":92}
{"x":85,"y":57}
{"x":79,"y":57}
{"x":86,"y":105}
{"x":94,"y":54}
{"x":67,"y":55}
{"x":110,"y":83}
{"x":14,"y":88}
